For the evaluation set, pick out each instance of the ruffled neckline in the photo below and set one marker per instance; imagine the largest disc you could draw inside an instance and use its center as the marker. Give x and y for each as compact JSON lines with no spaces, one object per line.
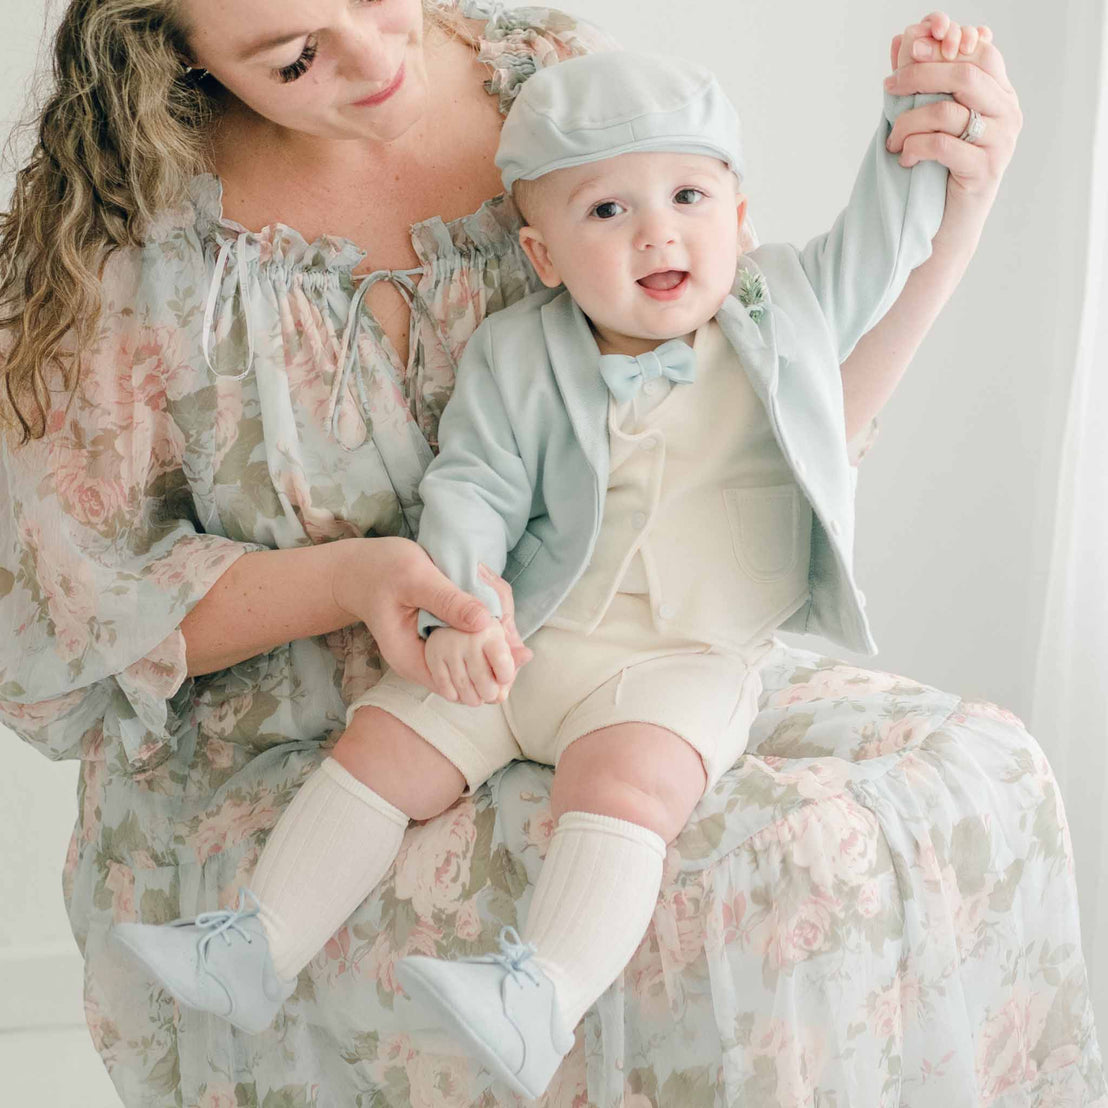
{"x":507,"y":43}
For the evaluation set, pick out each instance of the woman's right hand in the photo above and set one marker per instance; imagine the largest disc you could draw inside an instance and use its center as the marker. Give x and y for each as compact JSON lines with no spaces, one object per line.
{"x":384,"y":582}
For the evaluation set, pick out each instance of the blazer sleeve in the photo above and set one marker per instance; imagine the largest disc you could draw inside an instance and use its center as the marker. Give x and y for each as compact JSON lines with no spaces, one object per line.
{"x":476,"y":494}
{"x":859,"y":267}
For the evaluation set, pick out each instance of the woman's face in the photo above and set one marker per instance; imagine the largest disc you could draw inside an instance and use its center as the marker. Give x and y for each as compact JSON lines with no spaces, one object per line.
{"x":337,"y":69}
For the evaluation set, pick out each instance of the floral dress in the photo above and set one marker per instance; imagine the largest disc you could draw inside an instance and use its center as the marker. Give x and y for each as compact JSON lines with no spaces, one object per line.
{"x":876,"y":906}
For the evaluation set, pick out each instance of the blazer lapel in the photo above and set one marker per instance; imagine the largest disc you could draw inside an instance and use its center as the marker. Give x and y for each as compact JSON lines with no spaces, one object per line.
{"x":574,"y":358}
{"x":755,"y":343}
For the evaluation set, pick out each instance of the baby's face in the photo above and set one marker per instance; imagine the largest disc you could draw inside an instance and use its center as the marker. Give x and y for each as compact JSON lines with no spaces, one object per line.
{"x":646,"y":243}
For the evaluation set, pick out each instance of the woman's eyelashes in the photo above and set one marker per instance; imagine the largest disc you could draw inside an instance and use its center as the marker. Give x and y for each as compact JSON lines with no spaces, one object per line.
{"x":302,"y":64}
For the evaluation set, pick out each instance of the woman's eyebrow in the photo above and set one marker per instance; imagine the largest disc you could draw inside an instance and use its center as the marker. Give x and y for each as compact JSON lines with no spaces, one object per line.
{"x":260,"y":46}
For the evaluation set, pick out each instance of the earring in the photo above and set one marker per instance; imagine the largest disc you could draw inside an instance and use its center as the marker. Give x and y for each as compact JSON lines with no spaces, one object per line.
{"x":189,"y":70}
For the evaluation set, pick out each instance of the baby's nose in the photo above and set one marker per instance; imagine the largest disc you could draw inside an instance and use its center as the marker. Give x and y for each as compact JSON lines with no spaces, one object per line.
{"x":655,"y":230}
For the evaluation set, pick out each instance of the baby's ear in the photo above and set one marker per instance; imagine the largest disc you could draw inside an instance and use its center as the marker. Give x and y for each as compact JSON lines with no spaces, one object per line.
{"x":534,"y":246}
{"x":740,"y":208}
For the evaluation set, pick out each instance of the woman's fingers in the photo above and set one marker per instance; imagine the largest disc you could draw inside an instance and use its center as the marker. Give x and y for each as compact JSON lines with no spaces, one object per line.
{"x":947,"y":116}
{"x":969,"y":163}
{"x":520,"y":653}
{"x":969,"y":83}
{"x":429,"y":588}
{"x":895,"y":51}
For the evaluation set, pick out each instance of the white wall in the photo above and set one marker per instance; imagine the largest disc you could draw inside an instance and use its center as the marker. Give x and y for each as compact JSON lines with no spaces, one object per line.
{"x":956,"y":499}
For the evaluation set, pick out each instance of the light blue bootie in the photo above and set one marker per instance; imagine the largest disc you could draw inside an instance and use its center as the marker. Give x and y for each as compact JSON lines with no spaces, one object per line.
{"x":218,"y":962}
{"x":501,"y":1007}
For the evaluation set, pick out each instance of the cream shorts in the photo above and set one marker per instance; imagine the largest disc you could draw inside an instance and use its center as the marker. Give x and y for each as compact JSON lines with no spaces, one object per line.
{"x":623,"y":672}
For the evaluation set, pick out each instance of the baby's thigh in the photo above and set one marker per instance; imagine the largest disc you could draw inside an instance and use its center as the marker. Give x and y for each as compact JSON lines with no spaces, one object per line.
{"x":633,"y":771}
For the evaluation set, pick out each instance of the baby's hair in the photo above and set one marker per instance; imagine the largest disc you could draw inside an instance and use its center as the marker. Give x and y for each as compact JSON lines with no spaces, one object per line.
{"x":525,"y":194}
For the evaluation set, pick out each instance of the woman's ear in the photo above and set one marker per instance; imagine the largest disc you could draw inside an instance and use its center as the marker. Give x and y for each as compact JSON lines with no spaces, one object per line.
{"x":741,"y":209}
{"x":534,"y":246}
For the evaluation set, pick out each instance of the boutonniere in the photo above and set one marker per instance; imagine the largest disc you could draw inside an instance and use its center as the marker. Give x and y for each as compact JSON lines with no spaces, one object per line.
{"x":752,"y":294}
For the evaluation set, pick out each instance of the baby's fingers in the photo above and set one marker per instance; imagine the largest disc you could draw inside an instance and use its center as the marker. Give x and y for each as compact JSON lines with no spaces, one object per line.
{"x":459,"y":674}
{"x":970,"y":35}
{"x":481,"y":677}
{"x":499,"y":656}
{"x":952,"y":42}
{"x":440,"y":674}
{"x":939,"y":22}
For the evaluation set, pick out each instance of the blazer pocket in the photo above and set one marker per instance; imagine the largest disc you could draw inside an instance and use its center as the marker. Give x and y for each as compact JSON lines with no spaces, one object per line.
{"x":765,"y":529}
{"x":521,"y":556}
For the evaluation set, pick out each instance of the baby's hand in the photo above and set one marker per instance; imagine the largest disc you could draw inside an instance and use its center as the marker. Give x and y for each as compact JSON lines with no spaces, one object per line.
{"x":938,"y":38}
{"x":474,"y":668}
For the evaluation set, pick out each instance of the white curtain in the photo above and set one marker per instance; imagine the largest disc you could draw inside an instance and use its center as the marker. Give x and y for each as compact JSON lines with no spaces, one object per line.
{"x":1070,"y":705}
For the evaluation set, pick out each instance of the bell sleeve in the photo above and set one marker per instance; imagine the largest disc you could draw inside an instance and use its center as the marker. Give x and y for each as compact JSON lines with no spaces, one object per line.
{"x":101,"y":554}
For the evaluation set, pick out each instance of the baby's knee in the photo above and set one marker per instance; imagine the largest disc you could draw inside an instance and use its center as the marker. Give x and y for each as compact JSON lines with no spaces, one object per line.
{"x":393,"y":760}
{"x":655,"y":783}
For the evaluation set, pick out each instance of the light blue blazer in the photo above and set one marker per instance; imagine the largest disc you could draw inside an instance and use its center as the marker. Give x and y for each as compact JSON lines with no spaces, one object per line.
{"x":522,"y":473}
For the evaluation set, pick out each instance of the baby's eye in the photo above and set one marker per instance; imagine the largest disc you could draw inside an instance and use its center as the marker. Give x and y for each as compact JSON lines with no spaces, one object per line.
{"x":606,"y":210}
{"x":694,"y":195}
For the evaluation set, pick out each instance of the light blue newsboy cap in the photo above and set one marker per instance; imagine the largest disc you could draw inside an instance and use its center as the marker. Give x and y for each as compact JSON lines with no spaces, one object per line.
{"x":601,"y":105}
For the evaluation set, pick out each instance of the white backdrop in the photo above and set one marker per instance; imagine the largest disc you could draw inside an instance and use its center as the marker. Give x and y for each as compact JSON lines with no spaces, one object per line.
{"x":957,"y":500}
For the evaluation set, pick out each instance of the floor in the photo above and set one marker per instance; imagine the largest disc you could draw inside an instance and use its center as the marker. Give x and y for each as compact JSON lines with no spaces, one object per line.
{"x":29,"y":1061}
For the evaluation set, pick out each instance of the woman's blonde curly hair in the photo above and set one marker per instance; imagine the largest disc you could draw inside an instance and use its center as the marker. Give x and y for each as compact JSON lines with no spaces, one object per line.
{"x":118,"y":139}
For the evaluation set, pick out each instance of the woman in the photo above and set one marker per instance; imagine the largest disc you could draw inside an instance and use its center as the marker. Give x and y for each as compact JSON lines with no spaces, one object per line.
{"x":185,"y":556}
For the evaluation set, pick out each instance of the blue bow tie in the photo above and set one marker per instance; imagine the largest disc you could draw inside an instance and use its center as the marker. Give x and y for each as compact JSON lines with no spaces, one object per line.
{"x":625,"y":375}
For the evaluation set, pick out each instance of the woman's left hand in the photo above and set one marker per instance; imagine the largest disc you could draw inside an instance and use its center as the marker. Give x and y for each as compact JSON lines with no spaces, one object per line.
{"x":938,"y":55}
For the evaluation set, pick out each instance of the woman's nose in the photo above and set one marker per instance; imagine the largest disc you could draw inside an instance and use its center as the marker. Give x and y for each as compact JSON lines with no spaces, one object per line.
{"x":363,"y":55}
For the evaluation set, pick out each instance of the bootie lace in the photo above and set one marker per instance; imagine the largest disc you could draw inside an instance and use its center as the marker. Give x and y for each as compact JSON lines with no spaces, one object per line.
{"x":221,"y":922}
{"x":513,"y":955}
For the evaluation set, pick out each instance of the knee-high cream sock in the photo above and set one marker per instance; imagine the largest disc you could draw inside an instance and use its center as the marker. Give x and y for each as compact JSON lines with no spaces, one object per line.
{"x":329,"y":849}
{"x":592,"y":904}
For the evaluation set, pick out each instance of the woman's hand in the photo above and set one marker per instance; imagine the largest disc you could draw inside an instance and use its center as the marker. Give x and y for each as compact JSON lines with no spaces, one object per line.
{"x":384,"y":582}
{"x":938,"y":55}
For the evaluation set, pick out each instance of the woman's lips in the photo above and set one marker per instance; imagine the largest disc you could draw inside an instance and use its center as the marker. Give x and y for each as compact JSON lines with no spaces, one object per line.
{"x":666,"y":285}
{"x":385,"y":93}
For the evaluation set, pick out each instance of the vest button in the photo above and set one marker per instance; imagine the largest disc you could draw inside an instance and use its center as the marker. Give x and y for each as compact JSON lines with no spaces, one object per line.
{"x":835,"y":528}
{"x":800,"y":469}
{"x":650,"y":444}
{"x":666,"y":611}
{"x":638,"y":520}
{"x":861,"y":598}
{"x":650,"y":388}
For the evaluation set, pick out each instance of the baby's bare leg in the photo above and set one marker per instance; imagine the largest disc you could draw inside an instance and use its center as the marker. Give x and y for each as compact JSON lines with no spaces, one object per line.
{"x":633,"y":771}
{"x":620,"y":794}
{"x":396,"y":763}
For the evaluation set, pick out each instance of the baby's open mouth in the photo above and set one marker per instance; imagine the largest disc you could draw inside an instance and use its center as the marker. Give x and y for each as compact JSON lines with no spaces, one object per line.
{"x":664,"y":281}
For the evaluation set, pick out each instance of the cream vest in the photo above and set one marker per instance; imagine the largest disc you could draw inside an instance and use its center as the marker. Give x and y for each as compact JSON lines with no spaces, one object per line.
{"x":701,"y":514}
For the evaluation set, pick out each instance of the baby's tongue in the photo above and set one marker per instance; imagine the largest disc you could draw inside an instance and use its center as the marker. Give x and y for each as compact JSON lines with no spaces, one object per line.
{"x":668,"y":279}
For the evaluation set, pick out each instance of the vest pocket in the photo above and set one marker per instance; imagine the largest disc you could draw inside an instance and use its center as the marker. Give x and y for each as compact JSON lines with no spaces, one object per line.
{"x":765,"y":529}
{"x":521,"y":556}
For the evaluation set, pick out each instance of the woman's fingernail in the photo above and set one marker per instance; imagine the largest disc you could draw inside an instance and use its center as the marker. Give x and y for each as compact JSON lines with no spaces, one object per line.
{"x":921,"y":50}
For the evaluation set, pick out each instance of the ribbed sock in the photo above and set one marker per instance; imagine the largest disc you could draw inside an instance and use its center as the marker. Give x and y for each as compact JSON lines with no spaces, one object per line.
{"x":592,"y":904}
{"x":329,"y":849}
